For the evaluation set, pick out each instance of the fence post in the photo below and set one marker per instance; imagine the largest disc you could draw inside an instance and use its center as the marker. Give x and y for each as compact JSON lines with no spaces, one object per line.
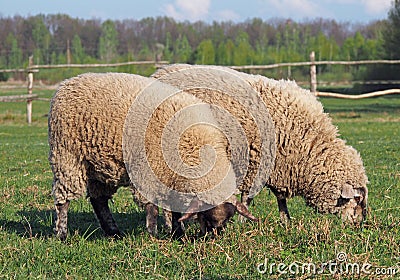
{"x":30,"y":87}
{"x":313,"y":73}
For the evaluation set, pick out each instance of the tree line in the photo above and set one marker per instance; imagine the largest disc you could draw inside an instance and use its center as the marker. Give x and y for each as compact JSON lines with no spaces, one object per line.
{"x":59,"y":39}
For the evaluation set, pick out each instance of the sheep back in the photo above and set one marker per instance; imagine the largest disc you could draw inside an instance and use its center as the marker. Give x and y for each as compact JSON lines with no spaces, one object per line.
{"x":226,"y":89}
{"x":87,"y":122}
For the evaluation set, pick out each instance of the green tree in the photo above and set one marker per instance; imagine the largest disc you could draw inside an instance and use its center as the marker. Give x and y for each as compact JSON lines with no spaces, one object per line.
{"x":391,"y":35}
{"x":78,"y":53}
{"x":145,"y":53}
{"x":182,"y":49}
{"x":108,"y":41}
{"x":53,"y":58}
{"x":359,"y":45}
{"x":168,"y":49}
{"x":225,"y":53}
{"x":15,"y":58}
{"x":276,"y":49}
{"x":41,"y":36}
{"x":243,"y":53}
{"x":353,"y":47}
{"x":205,"y":52}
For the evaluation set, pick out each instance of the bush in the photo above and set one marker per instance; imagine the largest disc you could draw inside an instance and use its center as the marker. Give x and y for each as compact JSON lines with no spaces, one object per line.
{"x":4,"y":77}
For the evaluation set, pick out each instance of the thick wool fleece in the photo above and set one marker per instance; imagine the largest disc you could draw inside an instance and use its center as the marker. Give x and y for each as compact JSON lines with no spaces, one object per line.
{"x":86,"y":123}
{"x":213,"y":94}
{"x":311,"y":161}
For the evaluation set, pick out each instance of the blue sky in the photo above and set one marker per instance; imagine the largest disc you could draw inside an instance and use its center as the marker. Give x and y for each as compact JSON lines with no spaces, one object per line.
{"x":355,"y":11}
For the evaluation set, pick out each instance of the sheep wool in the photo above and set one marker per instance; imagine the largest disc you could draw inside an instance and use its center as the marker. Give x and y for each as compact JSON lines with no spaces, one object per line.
{"x":311,"y":160}
{"x":86,"y":130}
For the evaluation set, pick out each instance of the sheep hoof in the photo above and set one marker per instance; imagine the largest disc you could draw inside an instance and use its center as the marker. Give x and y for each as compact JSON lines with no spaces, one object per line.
{"x":178,"y":233}
{"x":152,"y":231}
{"x":285,"y":219}
{"x":113,"y":233}
{"x":62,"y":236}
{"x":241,"y":219}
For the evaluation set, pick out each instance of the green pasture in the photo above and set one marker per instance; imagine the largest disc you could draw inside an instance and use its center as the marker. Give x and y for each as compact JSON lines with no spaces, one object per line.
{"x":268,"y":250}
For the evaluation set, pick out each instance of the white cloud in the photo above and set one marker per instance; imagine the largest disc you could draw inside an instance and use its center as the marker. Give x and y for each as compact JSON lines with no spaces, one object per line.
{"x":324,"y":8}
{"x":172,"y":12}
{"x":226,"y":15}
{"x":372,"y":7}
{"x":296,"y":8}
{"x":185,"y":9}
{"x":376,"y":6}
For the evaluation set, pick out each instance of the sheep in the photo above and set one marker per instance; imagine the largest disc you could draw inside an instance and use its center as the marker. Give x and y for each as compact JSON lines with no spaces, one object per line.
{"x":310,"y":161}
{"x":87,"y":127}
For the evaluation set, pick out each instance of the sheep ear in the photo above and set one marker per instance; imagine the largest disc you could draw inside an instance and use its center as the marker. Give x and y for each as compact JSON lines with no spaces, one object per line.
{"x":348,"y":192}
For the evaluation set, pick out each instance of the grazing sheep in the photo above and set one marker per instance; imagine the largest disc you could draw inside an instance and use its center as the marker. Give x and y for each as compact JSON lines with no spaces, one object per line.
{"x":311,"y":161}
{"x":86,"y":133}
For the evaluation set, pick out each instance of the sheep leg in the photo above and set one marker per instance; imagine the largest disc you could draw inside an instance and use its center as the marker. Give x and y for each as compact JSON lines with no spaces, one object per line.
{"x":176,"y":230}
{"x":151,"y":218}
{"x":246,"y":201}
{"x":282,"y":206}
{"x":62,"y":219}
{"x":167,"y":220}
{"x":283,"y":211}
{"x":103,"y":214}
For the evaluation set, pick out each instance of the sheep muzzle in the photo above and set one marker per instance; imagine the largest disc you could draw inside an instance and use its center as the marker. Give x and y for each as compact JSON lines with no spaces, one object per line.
{"x":354,"y":205}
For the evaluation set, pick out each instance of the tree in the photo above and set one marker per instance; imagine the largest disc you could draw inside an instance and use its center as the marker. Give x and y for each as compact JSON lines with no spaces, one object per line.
{"x":205,"y":53}
{"x":167,"y":52}
{"x":41,"y":36}
{"x":145,"y":52}
{"x":359,"y":46}
{"x":225,"y":53}
{"x":15,"y":58}
{"x":254,"y":41}
{"x":108,"y":41}
{"x":391,"y":42}
{"x":243,"y":53}
{"x":78,"y":53}
{"x":391,"y":34}
{"x":183,"y":50}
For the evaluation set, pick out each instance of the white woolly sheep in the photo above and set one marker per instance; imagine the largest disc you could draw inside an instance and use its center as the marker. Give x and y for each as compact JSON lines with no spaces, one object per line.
{"x":311,"y":161}
{"x":86,"y":123}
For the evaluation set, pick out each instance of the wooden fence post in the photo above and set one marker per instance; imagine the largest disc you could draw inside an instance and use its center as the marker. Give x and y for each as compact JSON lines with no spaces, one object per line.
{"x":313,"y":73}
{"x":30,"y":87}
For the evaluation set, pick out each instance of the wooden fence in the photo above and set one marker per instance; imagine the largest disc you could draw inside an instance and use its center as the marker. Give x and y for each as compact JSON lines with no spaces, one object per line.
{"x":29,"y":97}
{"x":313,"y":75}
{"x":31,"y":69}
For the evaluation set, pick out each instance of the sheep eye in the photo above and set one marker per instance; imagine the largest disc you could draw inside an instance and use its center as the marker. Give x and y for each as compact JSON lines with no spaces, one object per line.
{"x":357,"y":199}
{"x":342,"y":201}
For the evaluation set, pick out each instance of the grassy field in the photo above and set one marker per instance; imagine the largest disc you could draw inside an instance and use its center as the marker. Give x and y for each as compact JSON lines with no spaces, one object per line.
{"x":266,"y":250}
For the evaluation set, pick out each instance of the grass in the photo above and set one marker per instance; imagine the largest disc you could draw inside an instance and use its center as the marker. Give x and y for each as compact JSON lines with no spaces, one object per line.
{"x":29,"y":249}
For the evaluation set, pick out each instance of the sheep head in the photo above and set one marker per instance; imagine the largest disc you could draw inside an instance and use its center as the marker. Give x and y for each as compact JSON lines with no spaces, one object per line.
{"x":215,"y":219}
{"x":353,"y":204}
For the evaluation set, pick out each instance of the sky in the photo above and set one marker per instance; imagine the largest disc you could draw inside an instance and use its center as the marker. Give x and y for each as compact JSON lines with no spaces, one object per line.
{"x":354,"y":11}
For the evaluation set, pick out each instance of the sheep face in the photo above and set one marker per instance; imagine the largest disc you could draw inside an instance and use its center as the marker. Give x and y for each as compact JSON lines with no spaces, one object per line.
{"x":353,"y":204}
{"x":214,"y":220}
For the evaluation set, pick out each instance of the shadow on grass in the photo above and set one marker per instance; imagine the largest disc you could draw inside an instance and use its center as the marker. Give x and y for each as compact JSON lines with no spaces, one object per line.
{"x":40,"y":223}
{"x":362,"y":106}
